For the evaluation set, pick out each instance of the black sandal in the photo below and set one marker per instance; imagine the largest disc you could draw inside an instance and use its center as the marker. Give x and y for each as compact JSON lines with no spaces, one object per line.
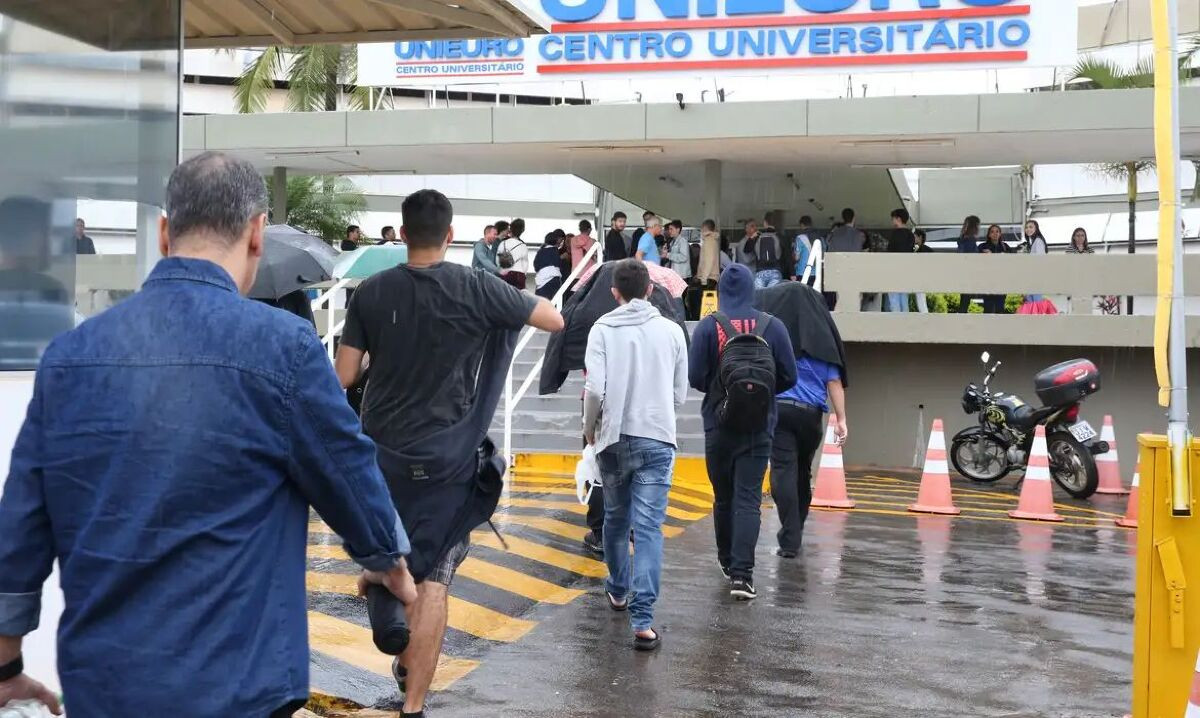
{"x":614,"y":604}
{"x":647,"y":644}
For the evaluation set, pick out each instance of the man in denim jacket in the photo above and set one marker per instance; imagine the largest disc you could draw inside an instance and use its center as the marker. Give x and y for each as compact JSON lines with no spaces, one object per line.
{"x":168,"y":460}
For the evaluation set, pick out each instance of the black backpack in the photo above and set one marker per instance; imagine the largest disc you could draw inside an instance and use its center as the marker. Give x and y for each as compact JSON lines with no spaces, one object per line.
{"x":768,"y":251}
{"x":746,"y":376}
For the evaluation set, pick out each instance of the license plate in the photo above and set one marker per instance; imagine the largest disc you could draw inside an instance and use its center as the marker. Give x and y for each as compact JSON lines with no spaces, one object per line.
{"x":1083,"y":431}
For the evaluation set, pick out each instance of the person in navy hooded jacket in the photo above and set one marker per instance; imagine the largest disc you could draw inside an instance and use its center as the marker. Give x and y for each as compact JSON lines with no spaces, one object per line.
{"x":736,"y":459}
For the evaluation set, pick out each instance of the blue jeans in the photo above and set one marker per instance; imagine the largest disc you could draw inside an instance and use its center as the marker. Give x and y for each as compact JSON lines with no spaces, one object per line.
{"x":897,"y":302}
{"x":637,"y":478}
{"x":767,"y":278}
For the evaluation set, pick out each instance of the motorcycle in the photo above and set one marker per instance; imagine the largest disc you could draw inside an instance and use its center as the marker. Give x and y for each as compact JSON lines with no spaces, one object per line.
{"x":1003,"y":439}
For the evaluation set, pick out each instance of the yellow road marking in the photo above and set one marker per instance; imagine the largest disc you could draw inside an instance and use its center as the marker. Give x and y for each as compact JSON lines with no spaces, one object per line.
{"x":571,"y":531}
{"x":484,"y":622}
{"x":352,"y":644}
{"x":320,"y":527}
{"x":961,"y":496}
{"x":971,"y":517}
{"x":559,"y":479}
{"x":683,"y":498}
{"x":569,"y":506}
{"x":463,"y":615}
{"x":327,"y":550}
{"x":516,"y":582}
{"x":555,"y":480}
{"x":567,"y":530}
{"x":703,"y":487}
{"x":679,"y":496}
{"x":986,"y":498}
{"x":972,"y":510}
{"x":575,"y":508}
{"x":543,"y":554}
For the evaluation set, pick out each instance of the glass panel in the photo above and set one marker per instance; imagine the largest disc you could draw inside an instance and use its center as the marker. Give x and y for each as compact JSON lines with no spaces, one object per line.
{"x":89,"y":116}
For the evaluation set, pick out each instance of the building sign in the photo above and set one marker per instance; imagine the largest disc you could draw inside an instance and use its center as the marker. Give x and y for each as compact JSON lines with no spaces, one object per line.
{"x":593,"y":39}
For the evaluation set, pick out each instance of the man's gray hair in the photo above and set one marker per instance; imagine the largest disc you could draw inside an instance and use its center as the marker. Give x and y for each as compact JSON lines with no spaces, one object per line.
{"x":215,"y":194}
{"x":653,"y":221}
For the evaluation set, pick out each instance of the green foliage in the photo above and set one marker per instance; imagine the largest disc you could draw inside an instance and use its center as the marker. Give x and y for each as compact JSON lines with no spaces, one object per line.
{"x":323,"y":206}
{"x":948,"y":303}
{"x":316,"y":76}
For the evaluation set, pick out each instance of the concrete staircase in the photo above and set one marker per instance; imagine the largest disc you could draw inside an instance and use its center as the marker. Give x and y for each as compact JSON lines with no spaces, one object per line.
{"x":551,"y":424}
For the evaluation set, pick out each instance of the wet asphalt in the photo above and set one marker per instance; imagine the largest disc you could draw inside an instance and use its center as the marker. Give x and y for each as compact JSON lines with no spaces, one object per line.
{"x":881,"y":615}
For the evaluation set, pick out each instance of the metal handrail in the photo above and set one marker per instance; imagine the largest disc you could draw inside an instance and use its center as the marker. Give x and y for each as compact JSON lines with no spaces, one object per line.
{"x":815,"y":265}
{"x":511,"y":399}
{"x":331,"y":329}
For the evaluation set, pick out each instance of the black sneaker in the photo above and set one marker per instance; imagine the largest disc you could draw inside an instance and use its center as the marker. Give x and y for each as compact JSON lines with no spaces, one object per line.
{"x":785,"y":553}
{"x":742,"y":589}
{"x":593,"y":544}
{"x":725,"y":572}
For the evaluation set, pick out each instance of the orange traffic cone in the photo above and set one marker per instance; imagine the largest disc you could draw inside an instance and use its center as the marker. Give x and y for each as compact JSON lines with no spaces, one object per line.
{"x":1193,"y":707}
{"x":1037,"y":495}
{"x":935,"y":496}
{"x":830,"y":491}
{"x":1108,"y":464}
{"x":1130,"y":520}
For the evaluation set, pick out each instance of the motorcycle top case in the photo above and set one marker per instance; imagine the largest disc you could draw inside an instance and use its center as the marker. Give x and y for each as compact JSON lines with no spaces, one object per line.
{"x":1067,"y":383}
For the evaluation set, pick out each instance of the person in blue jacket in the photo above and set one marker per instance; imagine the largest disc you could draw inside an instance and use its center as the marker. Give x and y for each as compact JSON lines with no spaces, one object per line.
{"x":737,"y":461}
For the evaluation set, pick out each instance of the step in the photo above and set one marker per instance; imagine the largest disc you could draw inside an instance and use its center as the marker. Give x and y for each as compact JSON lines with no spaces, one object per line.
{"x":558,"y":442}
{"x":569,"y":422}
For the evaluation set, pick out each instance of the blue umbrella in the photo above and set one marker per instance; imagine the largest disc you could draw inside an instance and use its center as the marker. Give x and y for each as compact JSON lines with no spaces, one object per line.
{"x":371,"y":259}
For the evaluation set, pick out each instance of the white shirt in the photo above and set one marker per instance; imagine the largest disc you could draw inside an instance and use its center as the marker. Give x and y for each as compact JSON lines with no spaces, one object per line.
{"x":520,"y":254}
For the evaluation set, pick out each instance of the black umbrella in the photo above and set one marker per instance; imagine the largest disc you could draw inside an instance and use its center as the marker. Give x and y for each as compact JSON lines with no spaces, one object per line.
{"x":291,"y":260}
{"x":811,"y":327}
{"x":565,"y":349}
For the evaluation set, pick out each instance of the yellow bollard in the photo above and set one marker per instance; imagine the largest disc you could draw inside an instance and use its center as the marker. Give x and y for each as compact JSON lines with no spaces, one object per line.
{"x":1166,"y":636}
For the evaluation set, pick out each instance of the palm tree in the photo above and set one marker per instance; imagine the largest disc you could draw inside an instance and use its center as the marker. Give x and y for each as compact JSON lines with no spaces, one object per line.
{"x":315,"y":74}
{"x":1108,"y":75}
{"x":323,"y":206}
{"x":1102,"y":74}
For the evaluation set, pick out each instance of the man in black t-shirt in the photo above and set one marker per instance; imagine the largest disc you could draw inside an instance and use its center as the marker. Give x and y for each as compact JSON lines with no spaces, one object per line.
{"x":425,"y":326}
{"x":615,"y":246}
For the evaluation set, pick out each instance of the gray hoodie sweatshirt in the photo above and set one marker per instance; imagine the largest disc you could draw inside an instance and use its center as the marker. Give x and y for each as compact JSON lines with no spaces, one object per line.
{"x":637,"y":373}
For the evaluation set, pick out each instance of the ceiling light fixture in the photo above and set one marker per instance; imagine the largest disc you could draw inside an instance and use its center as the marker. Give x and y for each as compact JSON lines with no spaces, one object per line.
{"x":643,"y":149}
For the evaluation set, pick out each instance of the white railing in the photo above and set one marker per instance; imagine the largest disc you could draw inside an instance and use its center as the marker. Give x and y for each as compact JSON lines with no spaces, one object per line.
{"x":816,"y":265}
{"x":511,"y":399}
{"x":331,"y":329}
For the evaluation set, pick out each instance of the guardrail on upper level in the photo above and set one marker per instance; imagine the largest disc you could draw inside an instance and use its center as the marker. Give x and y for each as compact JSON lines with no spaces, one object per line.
{"x":1078,"y":278}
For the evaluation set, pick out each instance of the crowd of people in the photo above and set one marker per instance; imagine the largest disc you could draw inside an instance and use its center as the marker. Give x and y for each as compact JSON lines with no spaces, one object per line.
{"x":175,"y":444}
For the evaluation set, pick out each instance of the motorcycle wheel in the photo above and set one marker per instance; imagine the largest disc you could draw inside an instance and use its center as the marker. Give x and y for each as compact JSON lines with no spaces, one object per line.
{"x":1072,"y":465}
{"x":980,"y":458}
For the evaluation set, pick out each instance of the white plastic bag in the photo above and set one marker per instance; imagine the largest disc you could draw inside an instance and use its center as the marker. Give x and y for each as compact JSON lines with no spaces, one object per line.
{"x":25,"y":709}
{"x":587,"y":474}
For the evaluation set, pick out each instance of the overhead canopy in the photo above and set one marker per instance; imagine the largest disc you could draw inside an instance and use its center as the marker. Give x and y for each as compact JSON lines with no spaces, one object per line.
{"x":1122,"y":21}
{"x":131,"y":24}
{"x":808,"y":156}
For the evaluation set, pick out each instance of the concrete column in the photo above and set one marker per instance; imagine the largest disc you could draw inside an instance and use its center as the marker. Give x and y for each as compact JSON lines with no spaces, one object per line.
{"x":279,"y":208}
{"x":712,"y":191}
{"x":148,"y":253}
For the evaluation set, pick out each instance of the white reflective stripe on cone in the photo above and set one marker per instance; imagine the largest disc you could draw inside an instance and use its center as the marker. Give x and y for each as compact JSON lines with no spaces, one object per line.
{"x":937,"y":466}
{"x":1037,"y":473}
{"x":937,"y":439}
{"x":830,"y":435}
{"x":831,"y":461}
{"x":1107,"y":433}
{"x":1136,"y":479}
{"x":1107,"y":458}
